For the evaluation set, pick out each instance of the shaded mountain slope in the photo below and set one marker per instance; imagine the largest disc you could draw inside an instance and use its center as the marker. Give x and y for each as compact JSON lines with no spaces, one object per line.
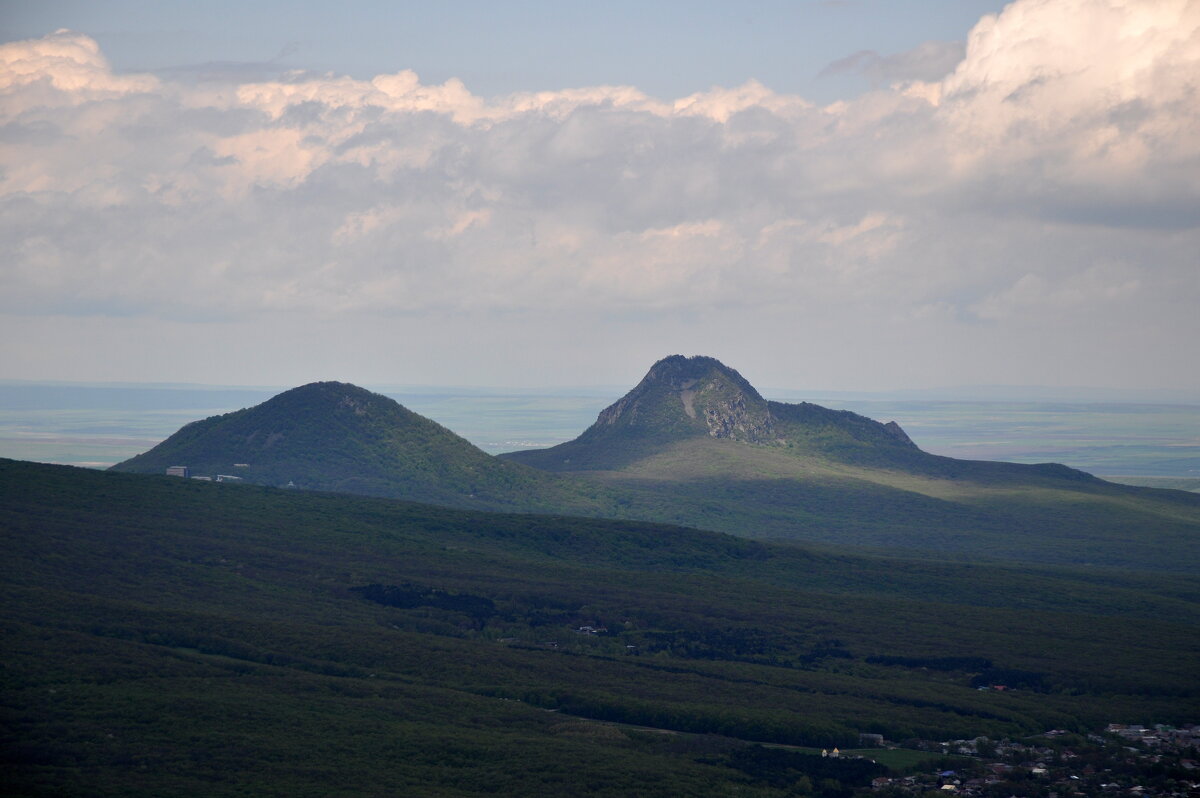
{"x":694,"y":443}
{"x":334,"y":436}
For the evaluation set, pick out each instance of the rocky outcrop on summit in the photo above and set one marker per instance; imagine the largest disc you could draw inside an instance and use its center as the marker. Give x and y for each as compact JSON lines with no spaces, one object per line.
{"x":899,"y":434}
{"x":731,"y":418}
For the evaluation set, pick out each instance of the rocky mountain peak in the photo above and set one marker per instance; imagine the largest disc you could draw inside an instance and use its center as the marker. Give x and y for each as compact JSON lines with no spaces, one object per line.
{"x":683,"y":396}
{"x":682,"y":373}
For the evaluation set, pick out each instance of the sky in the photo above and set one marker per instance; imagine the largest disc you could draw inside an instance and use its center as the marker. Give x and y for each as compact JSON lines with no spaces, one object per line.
{"x":825,"y":195}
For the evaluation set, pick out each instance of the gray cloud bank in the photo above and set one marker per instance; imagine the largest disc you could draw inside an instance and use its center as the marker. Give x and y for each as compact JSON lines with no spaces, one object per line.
{"x":1050,"y":180}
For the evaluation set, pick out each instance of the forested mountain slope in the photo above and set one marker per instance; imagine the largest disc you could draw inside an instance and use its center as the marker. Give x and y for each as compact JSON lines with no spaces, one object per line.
{"x":166,"y":636}
{"x":333,"y":436}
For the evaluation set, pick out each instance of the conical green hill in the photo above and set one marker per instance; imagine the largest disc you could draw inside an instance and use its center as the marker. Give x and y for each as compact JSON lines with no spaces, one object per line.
{"x":334,"y":436}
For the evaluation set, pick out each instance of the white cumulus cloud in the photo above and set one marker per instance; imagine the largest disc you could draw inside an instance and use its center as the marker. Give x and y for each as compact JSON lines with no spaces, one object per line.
{"x":1054,"y":169}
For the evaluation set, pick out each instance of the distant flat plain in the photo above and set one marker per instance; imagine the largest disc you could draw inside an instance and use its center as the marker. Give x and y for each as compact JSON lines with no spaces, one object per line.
{"x":96,"y":425}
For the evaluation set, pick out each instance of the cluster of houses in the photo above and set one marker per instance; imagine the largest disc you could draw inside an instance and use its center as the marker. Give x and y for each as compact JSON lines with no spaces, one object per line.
{"x":1159,"y":737}
{"x":1126,"y":760}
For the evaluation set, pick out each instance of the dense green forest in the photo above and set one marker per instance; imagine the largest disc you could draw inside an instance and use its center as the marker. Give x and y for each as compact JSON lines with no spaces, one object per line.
{"x":166,"y":636}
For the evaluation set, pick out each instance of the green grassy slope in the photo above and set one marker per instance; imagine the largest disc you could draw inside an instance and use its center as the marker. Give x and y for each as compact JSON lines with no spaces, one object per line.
{"x":164,"y":636}
{"x":1024,"y":514}
{"x":694,"y":444}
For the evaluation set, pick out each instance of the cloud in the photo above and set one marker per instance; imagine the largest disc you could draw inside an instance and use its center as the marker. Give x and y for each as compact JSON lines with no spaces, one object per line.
{"x":1096,"y":94}
{"x":63,"y":66}
{"x":927,"y":62}
{"x":1023,"y":178}
{"x":1100,"y":286}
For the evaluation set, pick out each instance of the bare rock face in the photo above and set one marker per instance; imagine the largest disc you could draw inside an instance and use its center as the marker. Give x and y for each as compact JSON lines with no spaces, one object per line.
{"x":730,"y":413}
{"x":692,"y":396}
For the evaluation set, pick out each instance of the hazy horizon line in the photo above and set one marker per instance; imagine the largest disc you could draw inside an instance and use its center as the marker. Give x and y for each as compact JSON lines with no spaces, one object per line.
{"x":966,"y":392}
